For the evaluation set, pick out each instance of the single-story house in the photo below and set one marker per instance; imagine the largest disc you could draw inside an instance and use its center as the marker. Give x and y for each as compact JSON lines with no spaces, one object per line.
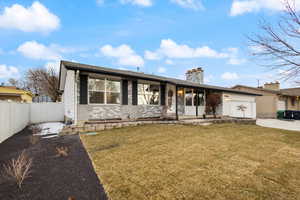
{"x":12,"y":93}
{"x":98,"y":93}
{"x":273,"y":99}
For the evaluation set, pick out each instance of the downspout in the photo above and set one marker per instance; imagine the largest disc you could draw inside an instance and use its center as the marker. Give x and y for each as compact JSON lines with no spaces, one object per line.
{"x":176,"y":107}
{"x":76,"y":96}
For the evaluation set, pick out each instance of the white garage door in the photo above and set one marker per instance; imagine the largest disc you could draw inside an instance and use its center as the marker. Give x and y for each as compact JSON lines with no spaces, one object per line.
{"x":241,"y":109}
{"x":239,"y":105}
{"x":281,"y":105}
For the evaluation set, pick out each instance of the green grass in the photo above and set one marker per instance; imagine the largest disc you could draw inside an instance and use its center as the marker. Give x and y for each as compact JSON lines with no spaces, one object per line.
{"x":196,"y":162}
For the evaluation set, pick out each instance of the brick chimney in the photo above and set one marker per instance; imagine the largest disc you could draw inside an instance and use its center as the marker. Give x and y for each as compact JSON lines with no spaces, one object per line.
{"x":272,"y":86}
{"x":195,"y":75}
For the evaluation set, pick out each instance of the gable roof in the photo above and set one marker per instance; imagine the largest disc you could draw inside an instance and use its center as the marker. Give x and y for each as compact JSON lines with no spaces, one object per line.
{"x":285,"y":92}
{"x":139,"y":75}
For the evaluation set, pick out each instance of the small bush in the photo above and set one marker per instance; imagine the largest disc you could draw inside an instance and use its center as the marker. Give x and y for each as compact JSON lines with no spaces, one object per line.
{"x":62,"y":151}
{"x":19,"y":169}
{"x":33,"y":139}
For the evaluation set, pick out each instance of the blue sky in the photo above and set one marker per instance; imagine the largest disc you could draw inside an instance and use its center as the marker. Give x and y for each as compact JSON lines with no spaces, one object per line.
{"x":163,"y":37}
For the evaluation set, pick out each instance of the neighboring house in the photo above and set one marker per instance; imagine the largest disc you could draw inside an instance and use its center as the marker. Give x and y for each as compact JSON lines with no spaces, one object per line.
{"x":12,"y":93}
{"x":273,"y":99}
{"x":98,"y":93}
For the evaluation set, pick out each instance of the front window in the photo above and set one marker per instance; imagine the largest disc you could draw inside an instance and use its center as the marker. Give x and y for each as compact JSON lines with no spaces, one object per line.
{"x":104,"y":91}
{"x":148,"y":94}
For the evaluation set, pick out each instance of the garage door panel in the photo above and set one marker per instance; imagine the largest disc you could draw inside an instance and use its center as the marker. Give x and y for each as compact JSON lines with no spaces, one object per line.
{"x":237,"y":112}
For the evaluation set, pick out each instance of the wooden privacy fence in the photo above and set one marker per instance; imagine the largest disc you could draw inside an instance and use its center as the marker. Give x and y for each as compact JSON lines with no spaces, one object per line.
{"x":16,"y":116}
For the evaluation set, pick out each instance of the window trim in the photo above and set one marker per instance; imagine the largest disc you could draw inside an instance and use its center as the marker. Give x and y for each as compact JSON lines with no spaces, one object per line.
{"x":147,"y":83}
{"x":105,"y":95}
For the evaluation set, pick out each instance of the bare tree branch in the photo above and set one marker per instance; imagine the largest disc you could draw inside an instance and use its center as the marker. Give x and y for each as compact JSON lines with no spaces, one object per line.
{"x":277,"y":46}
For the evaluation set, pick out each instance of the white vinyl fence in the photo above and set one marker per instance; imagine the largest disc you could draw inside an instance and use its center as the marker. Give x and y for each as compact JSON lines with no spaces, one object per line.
{"x":16,"y":116}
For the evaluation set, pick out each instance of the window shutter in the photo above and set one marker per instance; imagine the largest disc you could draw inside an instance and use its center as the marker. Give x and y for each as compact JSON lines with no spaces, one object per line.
{"x":134,"y":93}
{"x":162,"y":95}
{"x":83,"y":89}
{"x":125,"y":92}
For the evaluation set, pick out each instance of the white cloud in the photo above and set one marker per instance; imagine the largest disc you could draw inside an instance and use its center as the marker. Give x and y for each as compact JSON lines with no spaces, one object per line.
{"x":240,"y":7}
{"x":100,"y":2}
{"x":35,"y":18}
{"x":170,"y":49}
{"x":8,"y":72}
{"x":124,"y":53}
{"x":229,"y":76}
{"x":191,"y":4}
{"x":34,"y":50}
{"x":161,"y":70}
{"x":169,"y":62}
{"x":234,"y":57}
{"x":149,"y":55}
{"x":144,"y":3}
{"x":37,"y":51}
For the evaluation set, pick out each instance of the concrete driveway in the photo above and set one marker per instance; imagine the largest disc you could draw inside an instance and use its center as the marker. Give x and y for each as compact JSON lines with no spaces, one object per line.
{"x":280,"y":124}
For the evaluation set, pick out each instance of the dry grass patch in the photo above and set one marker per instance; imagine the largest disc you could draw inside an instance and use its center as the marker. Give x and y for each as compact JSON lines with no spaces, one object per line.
{"x":191,"y":162}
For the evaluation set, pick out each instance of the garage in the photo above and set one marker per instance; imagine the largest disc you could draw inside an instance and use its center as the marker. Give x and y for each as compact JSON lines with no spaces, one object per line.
{"x":238,"y":105}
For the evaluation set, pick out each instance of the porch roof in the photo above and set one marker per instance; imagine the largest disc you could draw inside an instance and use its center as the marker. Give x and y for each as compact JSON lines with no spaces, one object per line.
{"x":140,"y":75}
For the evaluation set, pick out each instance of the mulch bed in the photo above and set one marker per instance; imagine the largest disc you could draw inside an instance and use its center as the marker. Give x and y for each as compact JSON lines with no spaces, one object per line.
{"x":52,"y":177}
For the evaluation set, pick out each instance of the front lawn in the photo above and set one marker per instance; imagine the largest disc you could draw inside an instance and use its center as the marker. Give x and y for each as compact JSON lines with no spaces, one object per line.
{"x":196,"y":162}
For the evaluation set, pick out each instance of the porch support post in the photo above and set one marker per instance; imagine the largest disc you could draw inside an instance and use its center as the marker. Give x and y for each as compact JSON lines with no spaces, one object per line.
{"x":197,"y":99}
{"x":176,"y":107}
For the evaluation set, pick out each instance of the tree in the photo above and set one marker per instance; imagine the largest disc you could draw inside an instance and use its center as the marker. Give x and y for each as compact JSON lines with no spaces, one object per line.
{"x":277,"y":45}
{"x":13,"y":82}
{"x":18,"y":83}
{"x":213,"y":100}
{"x":43,"y":82}
{"x":39,"y":81}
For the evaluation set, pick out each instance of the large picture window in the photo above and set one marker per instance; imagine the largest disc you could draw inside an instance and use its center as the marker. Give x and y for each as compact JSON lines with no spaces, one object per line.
{"x":148,"y":94}
{"x":192,"y":99}
{"x":104,"y":91}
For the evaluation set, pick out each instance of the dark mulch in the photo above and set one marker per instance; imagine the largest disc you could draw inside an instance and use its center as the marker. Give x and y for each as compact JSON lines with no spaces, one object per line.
{"x":52,"y":177}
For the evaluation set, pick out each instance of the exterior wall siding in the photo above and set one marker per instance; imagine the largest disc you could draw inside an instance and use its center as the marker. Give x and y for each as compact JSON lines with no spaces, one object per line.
{"x":69,"y":95}
{"x":102,"y":111}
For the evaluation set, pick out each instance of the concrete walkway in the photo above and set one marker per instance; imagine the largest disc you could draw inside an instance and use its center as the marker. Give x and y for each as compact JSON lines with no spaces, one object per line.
{"x":280,"y":124}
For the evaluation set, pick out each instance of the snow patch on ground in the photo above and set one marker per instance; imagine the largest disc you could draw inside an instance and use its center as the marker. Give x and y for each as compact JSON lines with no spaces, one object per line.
{"x":50,"y":130}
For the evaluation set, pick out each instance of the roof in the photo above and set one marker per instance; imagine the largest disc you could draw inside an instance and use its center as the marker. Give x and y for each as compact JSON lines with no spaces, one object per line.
{"x":13,"y":90}
{"x":10,"y":94}
{"x":125,"y":73}
{"x":291,"y":91}
{"x":285,"y":92}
